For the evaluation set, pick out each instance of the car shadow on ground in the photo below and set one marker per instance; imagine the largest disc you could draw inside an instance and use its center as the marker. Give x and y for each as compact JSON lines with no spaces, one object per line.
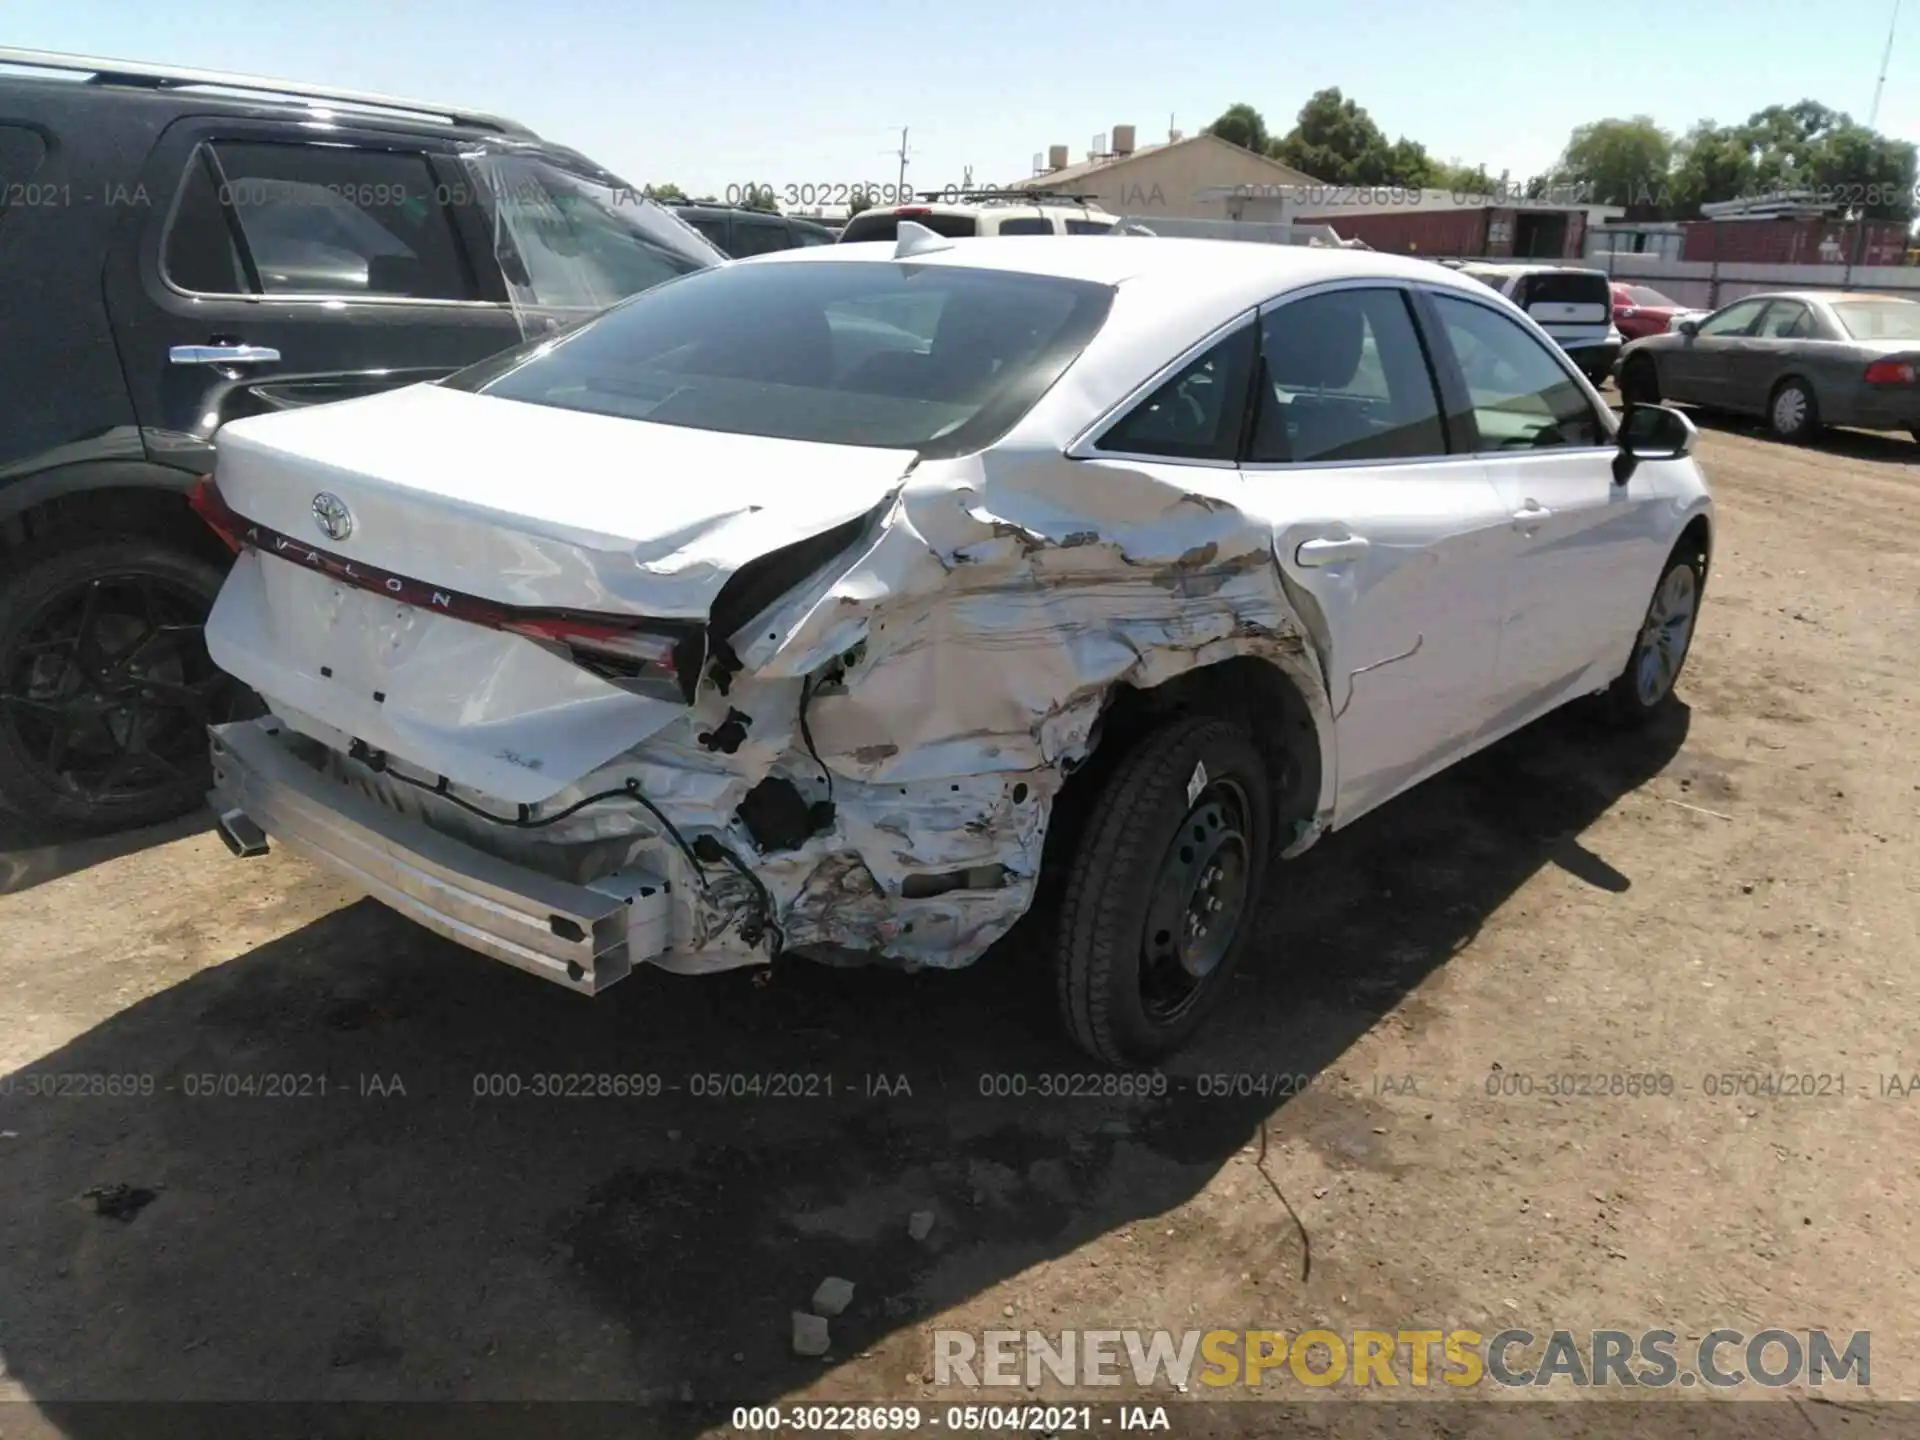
{"x":1881,"y":445}
{"x":31,"y":855}
{"x":413,"y":1233}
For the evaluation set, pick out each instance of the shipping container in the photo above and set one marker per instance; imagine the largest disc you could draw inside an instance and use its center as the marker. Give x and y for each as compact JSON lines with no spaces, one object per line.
{"x":1795,"y":242}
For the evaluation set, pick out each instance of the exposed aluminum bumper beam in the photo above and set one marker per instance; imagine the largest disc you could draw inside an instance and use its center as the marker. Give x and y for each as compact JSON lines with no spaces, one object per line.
{"x":584,"y":937}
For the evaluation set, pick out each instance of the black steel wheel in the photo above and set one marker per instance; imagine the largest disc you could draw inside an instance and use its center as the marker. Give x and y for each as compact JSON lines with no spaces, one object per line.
{"x":1166,"y":877}
{"x":106,"y":687}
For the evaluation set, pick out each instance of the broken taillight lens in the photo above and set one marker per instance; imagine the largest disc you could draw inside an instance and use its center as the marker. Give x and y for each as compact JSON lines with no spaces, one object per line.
{"x":204,"y":497}
{"x":611,"y":650}
{"x":1890,"y":372}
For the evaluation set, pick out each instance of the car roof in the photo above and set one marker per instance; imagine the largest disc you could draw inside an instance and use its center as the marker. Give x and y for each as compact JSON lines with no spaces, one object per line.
{"x":1475,"y":267}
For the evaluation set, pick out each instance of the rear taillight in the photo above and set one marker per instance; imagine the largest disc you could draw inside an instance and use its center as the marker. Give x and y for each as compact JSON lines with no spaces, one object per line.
{"x":912,"y":210}
{"x":207,"y":503}
{"x":1890,"y":372}
{"x":610,"y":649}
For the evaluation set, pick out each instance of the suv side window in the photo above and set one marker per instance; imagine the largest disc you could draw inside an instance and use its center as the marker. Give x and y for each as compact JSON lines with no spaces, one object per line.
{"x":327,"y":220}
{"x":1196,"y":415}
{"x":1523,"y":398}
{"x":1089,"y":227}
{"x":714,"y":228}
{"x":200,"y":254}
{"x":760,"y":237}
{"x":1344,"y":378}
{"x":1026,"y":225}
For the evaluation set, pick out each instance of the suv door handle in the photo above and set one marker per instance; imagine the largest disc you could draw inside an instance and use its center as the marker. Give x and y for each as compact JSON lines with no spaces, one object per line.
{"x":1331,"y":552}
{"x":223,"y":355}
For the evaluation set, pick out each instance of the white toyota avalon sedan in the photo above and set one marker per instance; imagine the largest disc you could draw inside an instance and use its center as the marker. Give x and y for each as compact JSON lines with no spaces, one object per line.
{"x":813,"y":603}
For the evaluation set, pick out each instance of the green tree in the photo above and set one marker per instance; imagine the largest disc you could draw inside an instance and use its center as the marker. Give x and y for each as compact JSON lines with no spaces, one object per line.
{"x":1466,"y":181}
{"x":1712,"y":162}
{"x":1619,"y":162}
{"x":759,"y":197}
{"x":1334,"y":139}
{"x":668,"y":194}
{"x":1244,"y":126}
{"x":861,"y":201}
{"x":1865,"y":171}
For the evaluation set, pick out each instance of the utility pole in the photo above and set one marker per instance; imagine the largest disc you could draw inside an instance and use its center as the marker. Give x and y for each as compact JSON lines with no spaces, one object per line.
{"x":901,"y":189}
{"x":1886,"y":56}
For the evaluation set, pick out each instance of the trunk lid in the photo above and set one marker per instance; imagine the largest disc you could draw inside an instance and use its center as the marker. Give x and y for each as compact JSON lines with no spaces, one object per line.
{"x":525,"y":506}
{"x":534,"y":506}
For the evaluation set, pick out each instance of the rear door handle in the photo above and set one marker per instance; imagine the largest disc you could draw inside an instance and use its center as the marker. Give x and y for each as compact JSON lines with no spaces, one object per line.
{"x":223,"y":355}
{"x":1330,"y":552}
{"x":1529,"y":516}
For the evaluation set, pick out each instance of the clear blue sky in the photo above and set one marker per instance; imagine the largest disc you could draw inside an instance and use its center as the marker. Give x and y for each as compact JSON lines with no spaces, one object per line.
{"x":710,"y":94}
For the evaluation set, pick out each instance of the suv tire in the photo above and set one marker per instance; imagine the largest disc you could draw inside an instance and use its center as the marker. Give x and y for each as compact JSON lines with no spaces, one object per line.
{"x":106,"y":688}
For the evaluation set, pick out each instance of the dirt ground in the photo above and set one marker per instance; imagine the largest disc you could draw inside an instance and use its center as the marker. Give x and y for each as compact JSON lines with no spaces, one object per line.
{"x":1734,"y":894}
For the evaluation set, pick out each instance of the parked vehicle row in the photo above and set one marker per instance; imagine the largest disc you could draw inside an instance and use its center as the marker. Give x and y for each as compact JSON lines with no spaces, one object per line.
{"x":984,"y":213}
{"x":738,"y":232}
{"x":1801,"y":359}
{"x":205,"y":247}
{"x":826,"y":602}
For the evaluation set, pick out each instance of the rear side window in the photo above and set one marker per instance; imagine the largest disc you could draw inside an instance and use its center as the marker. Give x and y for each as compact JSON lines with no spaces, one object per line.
{"x":1345,"y":379}
{"x":1026,"y":225}
{"x":759,"y":237}
{"x":939,"y":359}
{"x":1522,"y":397}
{"x":1199,"y":413}
{"x":328,"y":220}
{"x":713,"y":227}
{"x":875,"y":225}
{"x":1089,"y":227}
{"x":200,"y":254}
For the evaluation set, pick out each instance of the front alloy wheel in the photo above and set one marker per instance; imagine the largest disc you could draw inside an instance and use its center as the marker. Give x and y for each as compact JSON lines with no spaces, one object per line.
{"x":1660,"y":651}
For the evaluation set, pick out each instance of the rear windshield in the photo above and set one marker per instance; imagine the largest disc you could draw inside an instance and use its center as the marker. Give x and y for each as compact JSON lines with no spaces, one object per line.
{"x":1651,"y":299}
{"x":1880,"y":319}
{"x":1558,"y":288}
{"x":942,"y":359}
{"x":885,"y":225}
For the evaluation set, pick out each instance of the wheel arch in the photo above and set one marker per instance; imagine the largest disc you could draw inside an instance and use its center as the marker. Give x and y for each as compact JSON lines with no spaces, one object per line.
{"x":94,"y":500}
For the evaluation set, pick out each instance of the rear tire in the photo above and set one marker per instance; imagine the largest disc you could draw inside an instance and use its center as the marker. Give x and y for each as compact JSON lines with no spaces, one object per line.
{"x":106,"y":688}
{"x":1791,"y":412}
{"x":1164,"y":885}
{"x":1660,"y":651}
{"x":1639,"y":381}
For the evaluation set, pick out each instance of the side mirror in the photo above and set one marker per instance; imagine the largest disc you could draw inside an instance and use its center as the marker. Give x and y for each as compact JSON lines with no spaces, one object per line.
{"x":1651,"y":432}
{"x":1688,"y":328}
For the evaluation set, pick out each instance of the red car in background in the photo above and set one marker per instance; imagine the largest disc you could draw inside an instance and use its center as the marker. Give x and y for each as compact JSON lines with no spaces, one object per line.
{"x":1639,"y":311}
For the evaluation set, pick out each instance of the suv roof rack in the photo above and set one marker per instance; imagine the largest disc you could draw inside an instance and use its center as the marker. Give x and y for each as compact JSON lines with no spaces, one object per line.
{"x":100,"y":71}
{"x":1017,"y":197}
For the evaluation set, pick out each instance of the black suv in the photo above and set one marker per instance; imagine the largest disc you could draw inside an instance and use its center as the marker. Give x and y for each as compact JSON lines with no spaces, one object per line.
{"x":741,"y":233}
{"x":183,"y":248}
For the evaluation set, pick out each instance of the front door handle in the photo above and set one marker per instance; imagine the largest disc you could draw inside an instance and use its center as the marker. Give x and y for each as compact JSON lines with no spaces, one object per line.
{"x":1331,"y":552}
{"x":1528,"y":517}
{"x":223,"y":355}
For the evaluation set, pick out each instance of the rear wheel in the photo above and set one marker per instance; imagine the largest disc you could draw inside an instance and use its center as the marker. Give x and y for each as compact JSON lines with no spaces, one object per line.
{"x":1639,"y":381}
{"x":1666,"y":635}
{"x":1791,"y":413}
{"x":106,"y":688}
{"x":1164,"y":883}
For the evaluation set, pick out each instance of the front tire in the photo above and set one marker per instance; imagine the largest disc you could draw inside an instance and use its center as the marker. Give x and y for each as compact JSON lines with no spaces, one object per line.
{"x":1645,"y":687}
{"x":106,"y":688}
{"x":1792,"y":414}
{"x":1162,"y":891}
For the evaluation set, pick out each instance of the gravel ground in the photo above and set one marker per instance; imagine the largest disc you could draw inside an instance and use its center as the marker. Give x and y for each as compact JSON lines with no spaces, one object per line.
{"x":1732,"y":895}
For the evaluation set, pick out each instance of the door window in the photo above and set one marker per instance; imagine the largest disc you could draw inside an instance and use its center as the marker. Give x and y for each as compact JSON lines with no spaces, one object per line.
{"x":200,"y":254}
{"x":1736,"y":319}
{"x":759,"y":237}
{"x":713,"y":227}
{"x":1026,"y":225}
{"x":1523,"y":398}
{"x":1786,"y":320}
{"x":331,"y":220}
{"x":1344,"y":379}
{"x":1196,"y":415}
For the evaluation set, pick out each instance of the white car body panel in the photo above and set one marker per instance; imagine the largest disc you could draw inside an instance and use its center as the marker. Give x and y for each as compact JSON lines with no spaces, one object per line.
{"x":954,"y":661}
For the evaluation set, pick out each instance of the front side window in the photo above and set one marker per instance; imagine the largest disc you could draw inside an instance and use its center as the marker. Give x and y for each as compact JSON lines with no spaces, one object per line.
{"x":941,"y":359}
{"x":1345,"y":379}
{"x":1199,"y":413}
{"x":332,"y":220}
{"x":1522,"y":397}
{"x":1736,"y":319}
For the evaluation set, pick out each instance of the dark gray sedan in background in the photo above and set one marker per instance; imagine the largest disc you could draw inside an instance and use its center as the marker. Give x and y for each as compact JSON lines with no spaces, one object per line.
{"x":1802,"y":359}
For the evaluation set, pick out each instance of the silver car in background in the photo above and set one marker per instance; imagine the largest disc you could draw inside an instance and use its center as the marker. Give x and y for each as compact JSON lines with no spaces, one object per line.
{"x":1802,"y":359}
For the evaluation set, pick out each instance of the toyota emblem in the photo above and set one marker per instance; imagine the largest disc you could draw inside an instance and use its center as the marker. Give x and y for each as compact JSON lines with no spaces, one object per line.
{"x":330,"y":513}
